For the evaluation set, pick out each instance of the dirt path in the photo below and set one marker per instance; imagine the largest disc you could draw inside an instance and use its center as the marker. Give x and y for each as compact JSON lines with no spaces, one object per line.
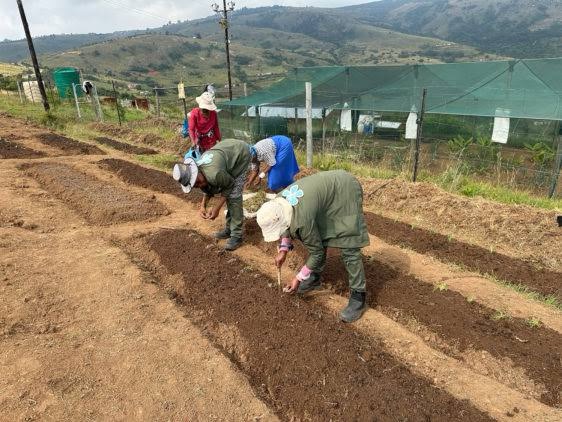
{"x":85,"y":336}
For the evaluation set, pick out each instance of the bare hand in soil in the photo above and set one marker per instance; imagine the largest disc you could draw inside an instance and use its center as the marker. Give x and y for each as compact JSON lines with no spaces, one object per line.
{"x":293,"y":287}
{"x":214,"y":213}
{"x":280,"y":259}
{"x":257,"y":182}
{"x":203,"y":213}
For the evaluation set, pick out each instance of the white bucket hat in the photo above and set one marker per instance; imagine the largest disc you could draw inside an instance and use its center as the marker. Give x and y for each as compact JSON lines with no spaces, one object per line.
{"x":206,"y":101}
{"x":274,"y":217}
{"x":186,"y":174}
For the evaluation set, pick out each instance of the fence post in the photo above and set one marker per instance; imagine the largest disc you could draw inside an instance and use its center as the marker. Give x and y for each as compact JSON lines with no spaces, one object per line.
{"x":116,"y":102}
{"x":76,"y":100}
{"x":247,"y":109}
{"x":419,"y":135}
{"x":557,"y":164}
{"x":19,"y":91}
{"x":97,"y":105}
{"x":157,"y":102}
{"x":309,"y":145}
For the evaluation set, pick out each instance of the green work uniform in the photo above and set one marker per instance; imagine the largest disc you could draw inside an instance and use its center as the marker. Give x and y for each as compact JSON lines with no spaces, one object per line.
{"x":328,"y":212}
{"x":225,"y":167}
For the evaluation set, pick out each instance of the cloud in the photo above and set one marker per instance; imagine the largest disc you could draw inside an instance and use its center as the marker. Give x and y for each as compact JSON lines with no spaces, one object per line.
{"x":47,"y":17}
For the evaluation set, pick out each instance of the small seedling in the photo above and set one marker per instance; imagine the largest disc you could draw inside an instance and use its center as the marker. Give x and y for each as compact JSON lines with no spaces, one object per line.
{"x":449,"y":238}
{"x":534,"y":322}
{"x":499,"y":315}
{"x":441,"y":287}
{"x":470,"y":299}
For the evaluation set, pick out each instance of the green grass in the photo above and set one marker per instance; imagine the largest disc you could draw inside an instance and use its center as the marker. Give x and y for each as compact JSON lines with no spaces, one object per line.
{"x":472,"y":188}
{"x":161,"y":161}
{"x":500,"y":315}
{"x":465,"y":185}
{"x":534,"y":322}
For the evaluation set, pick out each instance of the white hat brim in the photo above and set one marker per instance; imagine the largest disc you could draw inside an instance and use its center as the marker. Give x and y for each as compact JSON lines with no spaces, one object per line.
{"x":207,"y":105}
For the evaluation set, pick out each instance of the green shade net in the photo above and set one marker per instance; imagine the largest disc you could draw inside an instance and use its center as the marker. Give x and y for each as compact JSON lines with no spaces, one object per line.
{"x":529,"y":89}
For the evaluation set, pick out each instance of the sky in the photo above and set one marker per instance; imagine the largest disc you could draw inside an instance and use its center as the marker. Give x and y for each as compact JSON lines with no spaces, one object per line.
{"x":47,"y":17}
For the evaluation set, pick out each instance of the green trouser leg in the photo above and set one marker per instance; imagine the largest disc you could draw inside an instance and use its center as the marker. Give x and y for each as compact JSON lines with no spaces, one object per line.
{"x":235,"y":216}
{"x":353,"y":261}
{"x":316,"y":274}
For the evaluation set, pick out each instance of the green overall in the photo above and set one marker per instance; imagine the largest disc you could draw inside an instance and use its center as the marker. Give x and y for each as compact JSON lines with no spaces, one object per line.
{"x":225,"y":166}
{"x":330,"y":215}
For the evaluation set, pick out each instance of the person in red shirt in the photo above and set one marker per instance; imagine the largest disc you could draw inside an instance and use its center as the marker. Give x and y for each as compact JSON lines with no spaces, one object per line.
{"x":204,"y":123}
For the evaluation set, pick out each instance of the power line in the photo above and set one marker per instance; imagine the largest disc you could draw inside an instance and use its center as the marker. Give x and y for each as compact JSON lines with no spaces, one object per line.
{"x":124,"y":6}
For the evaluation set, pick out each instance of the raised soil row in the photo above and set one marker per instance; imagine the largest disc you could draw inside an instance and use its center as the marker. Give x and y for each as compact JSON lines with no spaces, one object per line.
{"x":143,"y":177}
{"x":98,"y":202}
{"x":462,"y":324}
{"x":11,"y":149}
{"x":68,"y":146}
{"x":299,"y":359}
{"x":457,"y":321}
{"x":124,"y":147}
{"x":469,"y":256}
{"x":472,"y":257}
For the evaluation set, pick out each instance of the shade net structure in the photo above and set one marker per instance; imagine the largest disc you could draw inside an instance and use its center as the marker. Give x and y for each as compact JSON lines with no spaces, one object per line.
{"x":519,"y":88}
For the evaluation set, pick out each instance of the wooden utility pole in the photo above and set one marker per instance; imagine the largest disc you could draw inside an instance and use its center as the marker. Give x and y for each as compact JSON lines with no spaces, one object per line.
{"x":224,"y":23}
{"x":33,"y":57}
{"x":419,"y":136}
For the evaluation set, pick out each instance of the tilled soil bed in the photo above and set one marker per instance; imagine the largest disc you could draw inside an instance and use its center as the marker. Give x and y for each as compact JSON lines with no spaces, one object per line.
{"x":98,"y":202}
{"x":469,"y":256}
{"x":124,"y":147}
{"x":298,"y":358}
{"x":10,"y":149}
{"x":143,"y":177}
{"x":461,"y":324}
{"x":68,"y":146}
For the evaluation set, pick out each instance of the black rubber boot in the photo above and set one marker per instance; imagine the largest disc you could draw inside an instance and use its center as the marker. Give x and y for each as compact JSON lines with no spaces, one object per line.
{"x":355,"y":307}
{"x":233,"y":243}
{"x":222,"y":234}
{"x":313,"y":283}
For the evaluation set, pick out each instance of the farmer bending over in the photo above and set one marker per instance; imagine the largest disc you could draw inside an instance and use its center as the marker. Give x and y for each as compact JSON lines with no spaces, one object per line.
{"x":323,"y":210}
{"x":204,"y":123}
{"x":280,"y":162}
{"x":221,"y":170}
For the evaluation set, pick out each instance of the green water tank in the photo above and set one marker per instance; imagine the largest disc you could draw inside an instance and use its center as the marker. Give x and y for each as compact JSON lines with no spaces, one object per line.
{"x":64,"y":78}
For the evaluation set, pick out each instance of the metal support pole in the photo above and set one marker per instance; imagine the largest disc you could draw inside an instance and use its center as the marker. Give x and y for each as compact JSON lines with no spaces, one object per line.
{"x":323,"y":129}
{"x":309,"y":145}
{"x":116,"y":102}
{"x":296,"y":124}
{"x":33,"y":56}
{"x":76,"y":100}
{"x":419,"y":135}
{"x":557,"y":164}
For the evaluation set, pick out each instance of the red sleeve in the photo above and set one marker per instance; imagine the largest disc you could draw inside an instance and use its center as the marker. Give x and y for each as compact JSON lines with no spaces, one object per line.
{"x":193,"y":122}
{"x":216,"y":129}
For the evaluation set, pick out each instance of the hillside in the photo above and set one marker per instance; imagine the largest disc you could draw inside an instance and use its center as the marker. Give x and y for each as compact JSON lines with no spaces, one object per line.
{"x":517,"y":28}
{"x":264,"y":42}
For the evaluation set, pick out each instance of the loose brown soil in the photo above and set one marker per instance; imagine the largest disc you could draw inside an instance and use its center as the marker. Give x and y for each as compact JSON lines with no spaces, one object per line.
{"x":462,"y":324}
{"x":298,"y":358}
{"x":10,"y":149}
{"x":98,"y":202}
{"x":143,"y":177}
{"x":520,"y":231}
{"x":124,"y":147}
{"x":469,"y":256}
{"x":69,"y":146}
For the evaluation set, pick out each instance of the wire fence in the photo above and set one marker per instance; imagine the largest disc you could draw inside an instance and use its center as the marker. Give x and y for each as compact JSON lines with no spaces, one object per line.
{"x":454,"y":148}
